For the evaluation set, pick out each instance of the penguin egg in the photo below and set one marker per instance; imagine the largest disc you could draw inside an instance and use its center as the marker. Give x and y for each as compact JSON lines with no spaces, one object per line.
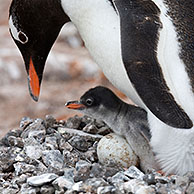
{"x":114,"y":149}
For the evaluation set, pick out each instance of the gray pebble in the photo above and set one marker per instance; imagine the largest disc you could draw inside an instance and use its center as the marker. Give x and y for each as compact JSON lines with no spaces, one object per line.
{"x":73,"y":122}
{"x":47,"y":189}
{"x":50,"y":143}
{"x":62,"y":183}
{"x":25,"y":121}
{"x":82,"y":170}
{"x":53,"y":158}
{"x":107,"y":190}
{"x":41,"y":179}
{"x":22,"y":167}
{"x":90,"y":128}
{"x":79,"y":143}
{"x":134,"y":172}
{"x":15,"y":141}
{"x":27,"y":189}
{"x":32,"y":148}
{"x":49,"y":121}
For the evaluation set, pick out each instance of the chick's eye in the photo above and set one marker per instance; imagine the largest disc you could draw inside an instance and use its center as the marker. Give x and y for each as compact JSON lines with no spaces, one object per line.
{"x":89,"y":101}
{"x":22,"y":37}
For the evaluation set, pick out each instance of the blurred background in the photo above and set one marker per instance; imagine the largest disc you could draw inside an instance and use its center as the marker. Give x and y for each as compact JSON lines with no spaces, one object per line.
{"x":69,"y":72}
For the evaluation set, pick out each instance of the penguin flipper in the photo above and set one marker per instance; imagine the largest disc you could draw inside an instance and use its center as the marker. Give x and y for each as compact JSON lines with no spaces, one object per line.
{"x":140,"y":24}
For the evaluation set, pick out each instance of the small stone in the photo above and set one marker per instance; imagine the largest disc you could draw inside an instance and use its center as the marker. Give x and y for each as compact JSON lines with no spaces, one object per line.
{"x":35,"y":129}
{"x":134,"y":173}
{"x":91,"y":155}
{"x":90,"y":128}
{"x":70,"y":158}
{"x":42,"y":179}
{"x":107,"y":190}
{"x":53,"y":158}
{"x":82,"y":170}
{"x":138,"y":187}
{"x":19,"y":180}
{"x":26,"y":189}
{"x":119,"y":178}
{"x":51,"y":143}
{"x":79,"y":143}
{"x":13,"y":133}
{"x":7,"y":157}
{"x":63,"y":145}
{"x":62,"y":183}
{"x":21,"y":168}
{"x":73,"y":122}
{"x":32,"y":148}
{"x":149,"y":179}
{"x":9,"y":191}
{"x":90,"y":185}
{"x":25,"y":122}
{"x":47,"y":189}
{"x":98,"y":171}
{"x":49,"y":121}
{"x":104,"y":130}
{"x":15,"y":141}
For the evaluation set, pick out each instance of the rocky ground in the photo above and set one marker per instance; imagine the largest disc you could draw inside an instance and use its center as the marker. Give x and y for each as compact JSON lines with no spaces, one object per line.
{"x":49,"y":156}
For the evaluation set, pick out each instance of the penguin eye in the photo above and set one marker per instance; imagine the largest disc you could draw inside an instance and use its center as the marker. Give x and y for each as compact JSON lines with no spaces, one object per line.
{"x":22,"y":37}
{"x":89,"y":101}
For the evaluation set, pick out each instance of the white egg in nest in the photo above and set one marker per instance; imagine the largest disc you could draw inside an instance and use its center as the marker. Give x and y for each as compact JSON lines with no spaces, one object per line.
{"x":114,"y":149}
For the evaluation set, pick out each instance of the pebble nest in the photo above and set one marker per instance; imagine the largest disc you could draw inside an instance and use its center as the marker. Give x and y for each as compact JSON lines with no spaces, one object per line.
{"x":48,"y":156}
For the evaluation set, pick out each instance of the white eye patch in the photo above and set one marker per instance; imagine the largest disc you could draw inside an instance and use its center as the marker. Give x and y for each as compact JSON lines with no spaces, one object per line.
{"x":18,"y":35}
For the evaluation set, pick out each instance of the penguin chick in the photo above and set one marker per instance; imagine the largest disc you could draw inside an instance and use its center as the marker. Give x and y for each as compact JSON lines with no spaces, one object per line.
{"x":124,"y":119}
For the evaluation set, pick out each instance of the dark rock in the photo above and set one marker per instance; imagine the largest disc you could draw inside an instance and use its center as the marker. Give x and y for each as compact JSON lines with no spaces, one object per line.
{"x":73,"y":122}
{"x":104,"y":130}
{"x":90,"y":128}
{"x":64,"y":145}
{"x":91,"y":155}
{"x":79,"y":143}
{"x":13,"y":133}
{"x":15,"y":141}
{"x":82,"y":170}
{"x":149,"y":179}
{"x":71,"y":158}
{"x":7,"y":158}
{"x":50,"y":121}
{"x":47,"y":189}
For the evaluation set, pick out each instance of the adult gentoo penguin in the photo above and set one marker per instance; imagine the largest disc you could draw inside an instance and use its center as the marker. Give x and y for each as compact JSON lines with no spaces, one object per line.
{"x":124,"y":119}
{"x":144,"y":47}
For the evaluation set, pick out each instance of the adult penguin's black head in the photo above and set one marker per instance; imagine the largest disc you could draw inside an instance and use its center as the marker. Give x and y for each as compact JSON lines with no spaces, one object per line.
{"x":34,"y":27}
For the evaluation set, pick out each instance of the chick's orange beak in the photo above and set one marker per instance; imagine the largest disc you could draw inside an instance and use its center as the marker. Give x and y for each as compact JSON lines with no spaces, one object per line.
{"x":75,"y":105}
